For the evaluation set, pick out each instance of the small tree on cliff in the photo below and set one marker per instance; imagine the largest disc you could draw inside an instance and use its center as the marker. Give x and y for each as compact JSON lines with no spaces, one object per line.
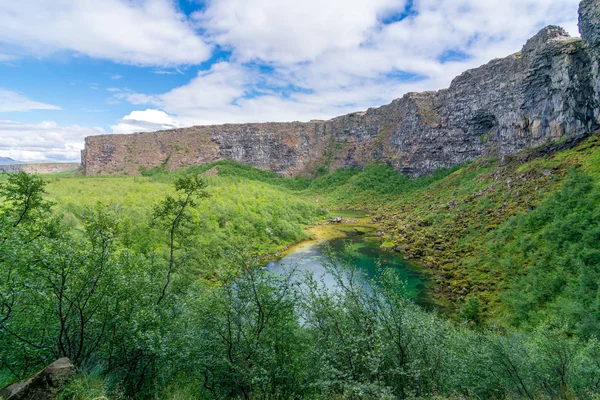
{"x":172,"y":211}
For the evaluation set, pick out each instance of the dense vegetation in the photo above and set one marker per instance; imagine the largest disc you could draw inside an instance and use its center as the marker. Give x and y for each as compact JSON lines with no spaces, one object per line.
{"x":239,"y":214}
{"x":153,"y":287}
{"x":513,"y":240}
{"x":550,"y":259}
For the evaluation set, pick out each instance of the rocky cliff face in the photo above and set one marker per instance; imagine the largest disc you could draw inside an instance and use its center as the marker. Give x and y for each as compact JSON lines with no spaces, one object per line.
{"x":589,"y":25}
{"x":548,"y":91}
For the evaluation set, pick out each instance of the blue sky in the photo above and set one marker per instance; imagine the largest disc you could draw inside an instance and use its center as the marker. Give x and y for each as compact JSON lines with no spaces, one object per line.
{"x":74,"y":68}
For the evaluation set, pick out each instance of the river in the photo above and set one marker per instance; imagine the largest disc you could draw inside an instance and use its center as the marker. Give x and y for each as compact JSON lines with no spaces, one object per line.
{"x":309,"y":256}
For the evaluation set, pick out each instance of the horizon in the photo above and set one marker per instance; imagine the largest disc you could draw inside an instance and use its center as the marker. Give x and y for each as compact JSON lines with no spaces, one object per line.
{"x":68,"y":73}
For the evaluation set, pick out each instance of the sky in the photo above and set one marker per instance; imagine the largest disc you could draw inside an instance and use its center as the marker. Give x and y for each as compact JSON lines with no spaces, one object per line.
{"x":75,"y":68}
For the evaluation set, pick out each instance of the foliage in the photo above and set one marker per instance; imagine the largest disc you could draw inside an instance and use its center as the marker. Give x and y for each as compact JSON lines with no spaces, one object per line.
{"x":353,"y":186}
{"x":242,"y":339}
{"x":173,"y":210}
{"x":85,"y":387}
{"x":241,"y":214}
{"x":83,"y":279}
{"x":246,"y":172}
{"x":448,"y":224}
{"x":88,"y":289}
{"x":551,"y":259}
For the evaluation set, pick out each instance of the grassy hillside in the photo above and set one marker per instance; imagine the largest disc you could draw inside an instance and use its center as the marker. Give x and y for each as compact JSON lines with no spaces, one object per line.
{"x":240,"y":215}
{"x":459,"y":223}
{"x":467,"y":226}
{"x":107,"y":278}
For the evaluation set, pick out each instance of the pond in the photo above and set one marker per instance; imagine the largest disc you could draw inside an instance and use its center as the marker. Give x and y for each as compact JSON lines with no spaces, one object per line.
{"x":360,"y":237}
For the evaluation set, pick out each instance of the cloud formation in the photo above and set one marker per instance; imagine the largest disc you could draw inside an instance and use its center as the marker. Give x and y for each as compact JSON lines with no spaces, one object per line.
{"x":281,"y":60}
{"x":15,"y":102}
{"x":145,"y":121}
{"x":146,"y":32}
{"x":290,"y":62}
{"x":46,"y":141}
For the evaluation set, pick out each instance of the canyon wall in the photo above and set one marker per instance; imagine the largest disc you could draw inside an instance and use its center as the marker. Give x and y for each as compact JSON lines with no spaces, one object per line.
{"x":548,"y":91}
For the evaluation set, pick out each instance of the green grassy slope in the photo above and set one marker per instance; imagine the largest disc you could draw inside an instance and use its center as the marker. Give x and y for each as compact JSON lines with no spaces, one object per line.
{"x":511,"y":242}
{"x":241,"y":214}
{"x":463,"y":226}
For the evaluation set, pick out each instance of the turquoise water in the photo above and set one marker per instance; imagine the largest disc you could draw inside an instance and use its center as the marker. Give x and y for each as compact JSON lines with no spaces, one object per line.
{"x":365,"y":253}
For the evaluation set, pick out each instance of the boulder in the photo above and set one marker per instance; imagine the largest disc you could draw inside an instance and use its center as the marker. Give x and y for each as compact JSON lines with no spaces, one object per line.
{"x":44,"y":385}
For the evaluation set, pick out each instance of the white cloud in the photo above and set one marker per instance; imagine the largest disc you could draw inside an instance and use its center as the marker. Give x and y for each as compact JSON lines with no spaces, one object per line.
{"x":343,"y":58}
{"x":132,"y":97}
{"x":140,"y":32}
{"x":218,"y":87}
{"x":167,"y":72}
{"x":291,"y":31}
{"x":319,"y":58}
{"x":7,"y":57}
{"x":45,"y":141}
{"x":145,"y":121}
{"x":15,"y":102}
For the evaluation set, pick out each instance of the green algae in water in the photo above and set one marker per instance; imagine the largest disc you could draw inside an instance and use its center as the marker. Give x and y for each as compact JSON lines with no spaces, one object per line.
{"x":364,"y":252}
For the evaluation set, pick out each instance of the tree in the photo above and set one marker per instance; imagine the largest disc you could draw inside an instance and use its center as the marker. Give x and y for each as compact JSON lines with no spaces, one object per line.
{"x":24,"y":220}
{"x":172,"y":210}
{"x":242,"y":339}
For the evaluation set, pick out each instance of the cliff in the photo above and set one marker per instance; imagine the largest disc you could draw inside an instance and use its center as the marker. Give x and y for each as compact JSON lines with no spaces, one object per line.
{"x":548,"y":91}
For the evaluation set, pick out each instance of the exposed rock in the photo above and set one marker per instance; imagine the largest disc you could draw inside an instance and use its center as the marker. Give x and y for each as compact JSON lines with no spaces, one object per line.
{"x":589,"y":23}
{"x":214,"y":171}
{"x":589,"y":27}
{"x":45,"y":385}
{"x":548,"y":91}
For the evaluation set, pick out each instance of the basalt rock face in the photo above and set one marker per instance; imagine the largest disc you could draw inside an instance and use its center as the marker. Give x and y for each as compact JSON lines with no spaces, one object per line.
{"x":285,"y":148}
{"x":589,"y":26}
{"x":548,"y":91}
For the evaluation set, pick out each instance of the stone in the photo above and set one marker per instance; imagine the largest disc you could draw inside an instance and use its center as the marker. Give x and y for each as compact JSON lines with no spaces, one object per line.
{"x":589,"y":27}
{"x":548,"y":91}
{"x":44,"y":385}
{"x":589,"y":23}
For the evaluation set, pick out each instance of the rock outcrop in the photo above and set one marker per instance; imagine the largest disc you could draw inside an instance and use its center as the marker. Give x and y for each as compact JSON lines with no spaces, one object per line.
{"x":548,"y":91}
{"x":589,"y":26}
{"x":45,"y":385}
